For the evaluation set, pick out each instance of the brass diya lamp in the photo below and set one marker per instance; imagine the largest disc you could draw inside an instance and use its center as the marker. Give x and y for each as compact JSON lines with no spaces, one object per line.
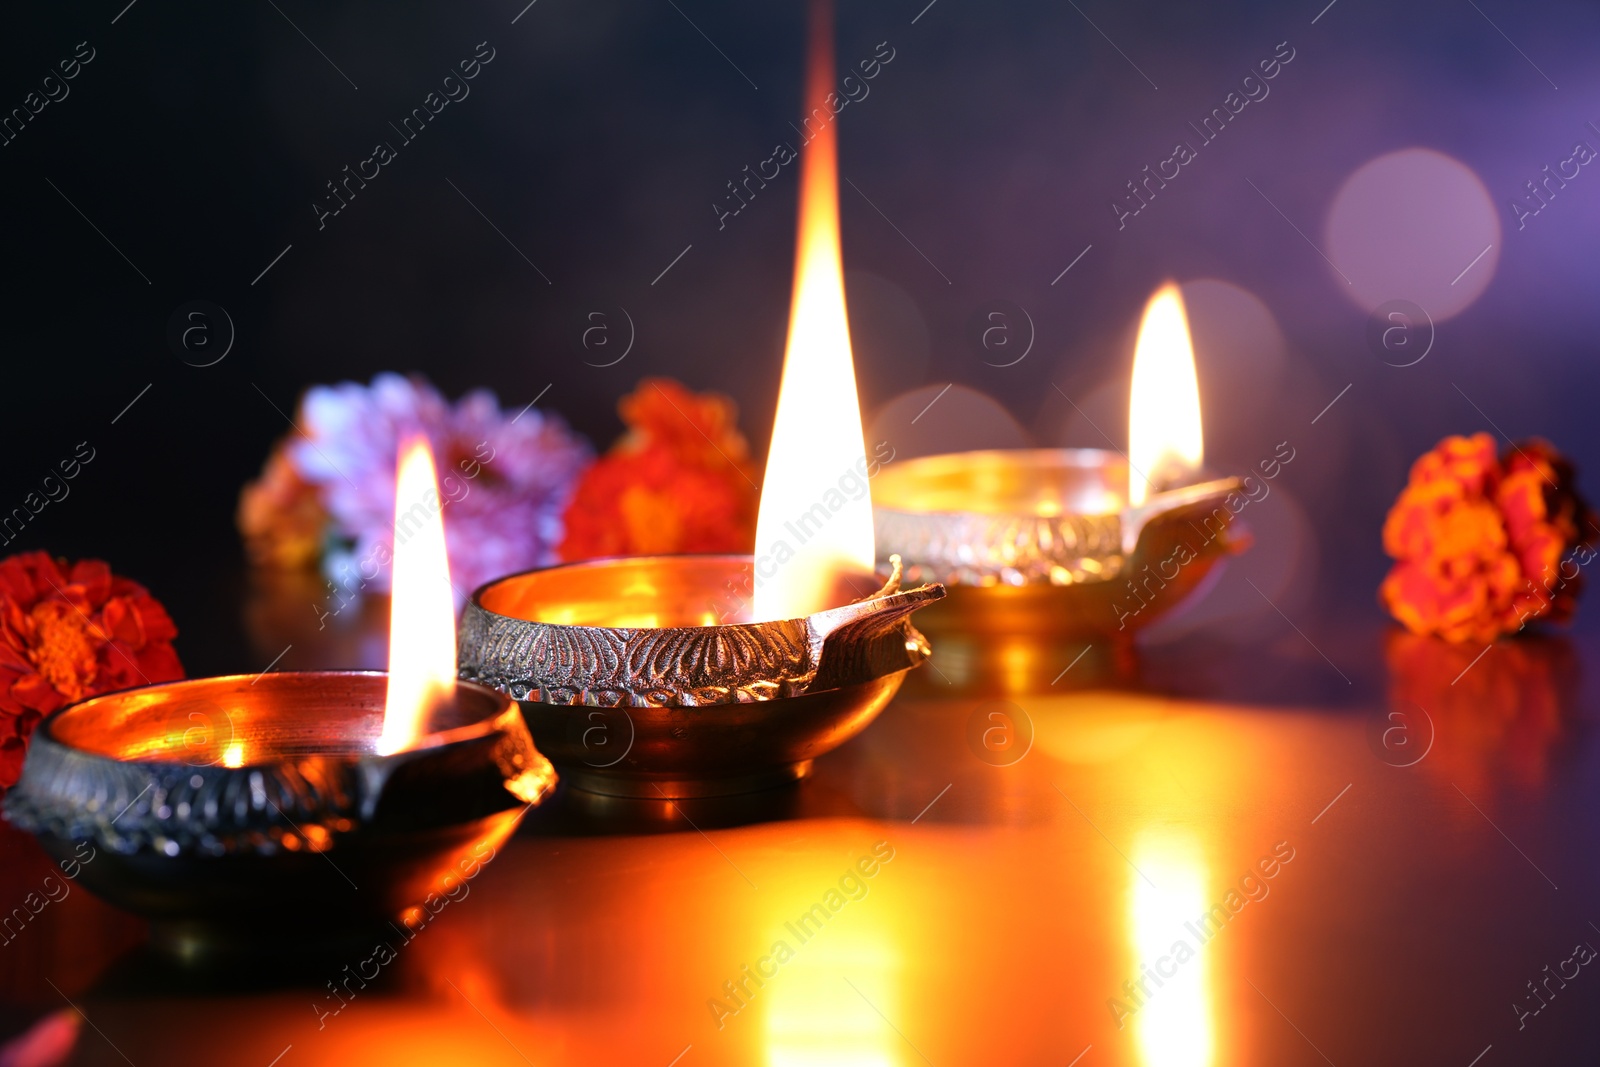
{"x":288,"y":811}
{"x":675,"y":702}
{"x":688,"y":676}
{"x":1045,"y":549}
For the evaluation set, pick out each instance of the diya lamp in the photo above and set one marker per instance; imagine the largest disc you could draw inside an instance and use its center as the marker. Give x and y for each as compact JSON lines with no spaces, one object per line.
{"x":1048,"y":548}
{"x":684,"y":676}
{"x":274,"y":813}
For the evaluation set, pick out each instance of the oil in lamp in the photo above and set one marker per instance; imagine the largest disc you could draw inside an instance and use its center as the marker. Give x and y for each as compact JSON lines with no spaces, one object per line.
{"x":269,"y":814}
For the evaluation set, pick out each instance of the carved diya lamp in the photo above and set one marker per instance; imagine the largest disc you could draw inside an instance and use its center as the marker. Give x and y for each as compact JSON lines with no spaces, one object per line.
{"x":685,"y":705}
{"x":684,"y":676}
{"x":292,"y":810}
{"x":1051,"y":547}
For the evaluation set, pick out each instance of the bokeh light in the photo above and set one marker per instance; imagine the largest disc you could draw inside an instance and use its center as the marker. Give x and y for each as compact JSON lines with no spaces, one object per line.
{"x":1414,"y":225}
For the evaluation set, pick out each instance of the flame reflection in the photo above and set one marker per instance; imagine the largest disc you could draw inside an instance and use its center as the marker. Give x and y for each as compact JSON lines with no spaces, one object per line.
{"x":816,"y":1019}
{"x":1173,"y":1020}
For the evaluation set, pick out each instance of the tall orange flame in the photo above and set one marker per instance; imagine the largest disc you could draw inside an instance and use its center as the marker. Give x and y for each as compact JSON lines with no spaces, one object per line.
{"x":422,"y":614}
{"x":817,"y":536}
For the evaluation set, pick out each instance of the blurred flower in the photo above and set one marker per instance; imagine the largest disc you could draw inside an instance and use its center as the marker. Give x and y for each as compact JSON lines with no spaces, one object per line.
{"x":679,"y":480}
{"x":281,"y":516}
{"x":1485,"y":544}
{"x":503,"y":479}
{"x":69,"y":632}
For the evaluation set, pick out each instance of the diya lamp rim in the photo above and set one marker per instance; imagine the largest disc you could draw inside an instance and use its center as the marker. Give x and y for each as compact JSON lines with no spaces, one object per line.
{"x":1020,"y":546}
{"x":906,"y":472}
{"x":475,"y":600}
{"x":432,"y":740}
{"x":666,"y":667}
{"x":176,"y":808}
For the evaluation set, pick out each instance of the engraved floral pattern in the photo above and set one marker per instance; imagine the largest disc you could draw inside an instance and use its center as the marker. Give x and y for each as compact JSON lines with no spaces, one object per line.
{"x":974,"y":549}
{"x":690,"y":666}
{"x":177,"y":809}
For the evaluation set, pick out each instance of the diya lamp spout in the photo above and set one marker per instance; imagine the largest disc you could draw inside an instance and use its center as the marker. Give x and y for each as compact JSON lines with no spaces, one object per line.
{"x":871,"y":634}
{"x":1166,"y":502}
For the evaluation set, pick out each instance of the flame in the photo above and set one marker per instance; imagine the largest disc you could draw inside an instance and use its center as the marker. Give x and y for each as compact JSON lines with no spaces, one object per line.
{"x":422,"y":636}
{"x":1174,"y":1022}
{"x":1165,"y":444}
{"x":233,"y":755}
{"x":815,"y":536}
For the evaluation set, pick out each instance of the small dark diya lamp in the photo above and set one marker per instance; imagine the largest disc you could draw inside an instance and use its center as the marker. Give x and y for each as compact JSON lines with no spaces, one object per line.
{"x":255,"y":815}
{"x":635,"y":685}
{"x":283,"y":813}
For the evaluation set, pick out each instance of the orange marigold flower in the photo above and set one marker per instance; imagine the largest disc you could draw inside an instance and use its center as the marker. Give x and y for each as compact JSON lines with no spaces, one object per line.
{"x":69,"y":632}
{"x":281,"y":515}
{"x":679,"y":480}
{"x":1483,"y":544}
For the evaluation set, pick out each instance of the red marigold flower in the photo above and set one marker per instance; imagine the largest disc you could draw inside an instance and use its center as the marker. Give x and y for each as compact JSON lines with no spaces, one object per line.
{"x":69,"y":632}
{"x":1483,"y":544}
{"x":679,"y":480}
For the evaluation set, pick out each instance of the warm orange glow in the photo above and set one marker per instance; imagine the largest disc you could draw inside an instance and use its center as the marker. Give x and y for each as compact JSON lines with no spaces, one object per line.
{"x":810,"y":535}
{"x":233,"y":755}
{"x":1173,"y":1023}
{"x":422,"y":615}
{"x":1165,"y":444}
{"x":814,"y":1017}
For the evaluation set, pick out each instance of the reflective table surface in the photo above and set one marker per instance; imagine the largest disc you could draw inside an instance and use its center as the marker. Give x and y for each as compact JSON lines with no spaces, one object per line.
{"x":1371,"y":850}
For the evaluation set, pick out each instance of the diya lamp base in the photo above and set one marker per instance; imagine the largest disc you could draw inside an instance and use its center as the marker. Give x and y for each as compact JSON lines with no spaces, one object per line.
{"x":634,"y":686}
{"x":253,"y":816}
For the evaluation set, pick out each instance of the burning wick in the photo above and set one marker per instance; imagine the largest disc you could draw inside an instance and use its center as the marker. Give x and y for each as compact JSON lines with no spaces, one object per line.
{"x":422,"y":614}
{"x":816,"y":433}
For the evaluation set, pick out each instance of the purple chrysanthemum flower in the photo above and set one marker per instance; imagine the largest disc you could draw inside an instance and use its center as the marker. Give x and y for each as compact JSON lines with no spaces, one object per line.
{"x":504,"y":480}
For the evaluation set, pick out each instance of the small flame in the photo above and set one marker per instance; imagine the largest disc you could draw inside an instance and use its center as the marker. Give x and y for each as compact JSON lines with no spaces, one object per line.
{"x":816,"y":536}
{"x":422,"y":636}
{"x":233,"y":755}
{"x":1165,"y":444}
